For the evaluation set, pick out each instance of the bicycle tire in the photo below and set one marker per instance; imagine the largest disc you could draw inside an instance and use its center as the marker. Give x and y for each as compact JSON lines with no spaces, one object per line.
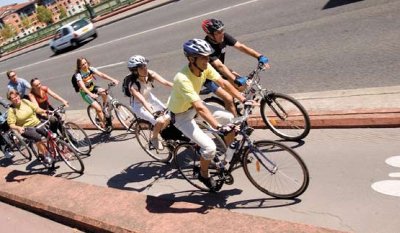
{"x":69,"y":156}
{"x":125,"y":116}
{"x":144,"y":131}
{"x":187,"y":161}
{"x":94,"y":118}
{"x":77,"y":138}
{"x":285,"y":116}
{"x":19,"y":144}
{"x":290,"y":169}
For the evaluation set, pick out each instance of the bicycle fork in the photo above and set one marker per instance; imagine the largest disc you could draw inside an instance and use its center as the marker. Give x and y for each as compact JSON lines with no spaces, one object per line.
{"x":263,"y":160}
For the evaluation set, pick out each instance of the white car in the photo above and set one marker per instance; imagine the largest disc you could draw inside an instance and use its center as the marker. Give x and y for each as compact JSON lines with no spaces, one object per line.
{"x":71,"y":34}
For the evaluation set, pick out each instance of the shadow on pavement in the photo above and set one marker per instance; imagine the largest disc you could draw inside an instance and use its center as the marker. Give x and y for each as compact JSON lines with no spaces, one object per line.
{"x":100,"y":137}
{"x":336,"y":3}
{"x":138,"y":174}
{"x":157,"y":205}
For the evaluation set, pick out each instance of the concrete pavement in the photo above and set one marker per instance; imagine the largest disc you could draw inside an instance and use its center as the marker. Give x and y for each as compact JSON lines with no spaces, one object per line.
{"x":100,"y":209}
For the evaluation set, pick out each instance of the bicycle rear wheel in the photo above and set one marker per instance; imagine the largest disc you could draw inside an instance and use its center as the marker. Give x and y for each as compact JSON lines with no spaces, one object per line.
{"x":125,"y":116}
{"x":275,"y":169}
{"x":285,"y":116}
{"x":144,"y":131}
{"x":94,"y":118}
{"x":70,"y":156}
{"x":19,"y":145}
{"x":77,"y":138}
{"x":187,"y":161}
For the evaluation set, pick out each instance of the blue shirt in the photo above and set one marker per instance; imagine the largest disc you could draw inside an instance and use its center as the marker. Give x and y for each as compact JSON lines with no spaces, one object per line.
{"x":20,"y":86}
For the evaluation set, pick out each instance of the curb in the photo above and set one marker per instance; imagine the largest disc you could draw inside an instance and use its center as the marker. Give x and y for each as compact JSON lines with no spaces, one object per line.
{"x":100,"y":209}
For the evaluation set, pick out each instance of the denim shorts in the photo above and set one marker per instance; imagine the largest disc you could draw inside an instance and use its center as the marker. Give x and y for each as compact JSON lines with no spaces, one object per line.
{"x":211,"y":86}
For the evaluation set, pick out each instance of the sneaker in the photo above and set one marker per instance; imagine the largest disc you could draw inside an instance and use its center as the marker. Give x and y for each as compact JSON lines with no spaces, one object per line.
{"x":209,"y":182}
{"x":8,"y":154}
{"x":48,"y":159}
{"x":109,"y":128}
{"x":156,"y":144}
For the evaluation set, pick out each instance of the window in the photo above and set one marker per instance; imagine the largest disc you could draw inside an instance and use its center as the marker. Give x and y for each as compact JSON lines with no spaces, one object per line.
{"x":65,"y":31}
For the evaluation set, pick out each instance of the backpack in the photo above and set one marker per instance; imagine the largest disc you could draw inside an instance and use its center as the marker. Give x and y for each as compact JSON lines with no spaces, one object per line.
{"x":75,"y":83}
{"x":126,"y":85}
{"x":131,"y":79}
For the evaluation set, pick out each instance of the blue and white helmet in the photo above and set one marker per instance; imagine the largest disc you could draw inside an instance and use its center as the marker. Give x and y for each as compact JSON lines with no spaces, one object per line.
{"x":137,"y":60}
{"x":197,"y":47}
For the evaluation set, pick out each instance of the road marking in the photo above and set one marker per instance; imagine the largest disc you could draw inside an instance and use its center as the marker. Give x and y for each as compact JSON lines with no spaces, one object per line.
{"x":140,"y":33}
{"x":390,"y":187}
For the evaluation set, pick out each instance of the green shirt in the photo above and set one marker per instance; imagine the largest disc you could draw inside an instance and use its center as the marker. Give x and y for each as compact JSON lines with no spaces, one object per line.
{"x":187,"y":87}
{"x":24,"y":115}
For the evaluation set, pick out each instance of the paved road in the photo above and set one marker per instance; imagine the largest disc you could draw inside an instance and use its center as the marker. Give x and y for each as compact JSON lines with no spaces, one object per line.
{"x":312,"y":46}
{"x":343,"y":165}
{"x":13,"y":219}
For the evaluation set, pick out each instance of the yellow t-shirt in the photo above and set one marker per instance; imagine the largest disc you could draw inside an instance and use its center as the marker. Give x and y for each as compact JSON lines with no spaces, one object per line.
{"x":24,"y":115}
{"x":187,"y":87}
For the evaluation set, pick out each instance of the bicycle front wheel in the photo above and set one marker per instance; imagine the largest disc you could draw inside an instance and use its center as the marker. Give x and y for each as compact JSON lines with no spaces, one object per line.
{"x":275,"y":169}
{"x":19,"y":145}
{"x":144,"y":131}
{"x":125,"y":116}
{"x":77,"y":138}
{"x":285,"y":116}
{"x":94,"y":118}
{"x":70,"y":156}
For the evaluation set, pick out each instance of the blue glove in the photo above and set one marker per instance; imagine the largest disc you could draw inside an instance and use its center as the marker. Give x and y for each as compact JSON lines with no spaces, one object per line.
{"x":263,"y":59}
{"x":240,"y":81}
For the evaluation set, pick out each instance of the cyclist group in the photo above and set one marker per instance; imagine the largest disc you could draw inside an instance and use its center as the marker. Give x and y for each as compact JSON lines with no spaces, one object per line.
{"x":205,"y":69}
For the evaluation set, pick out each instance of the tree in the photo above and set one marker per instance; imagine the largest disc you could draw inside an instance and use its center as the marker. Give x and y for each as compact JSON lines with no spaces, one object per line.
{"x":63,"y":12}
{"x":44,"y":15}
{"x":26,"y":22}
{"x":8,"y":31}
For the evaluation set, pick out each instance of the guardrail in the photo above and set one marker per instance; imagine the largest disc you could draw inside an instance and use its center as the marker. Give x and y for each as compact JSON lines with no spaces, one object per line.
{"x":100,"y":9}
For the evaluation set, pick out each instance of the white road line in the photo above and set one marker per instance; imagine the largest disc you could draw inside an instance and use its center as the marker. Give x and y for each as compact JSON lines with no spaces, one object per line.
{"x":143,"y":32}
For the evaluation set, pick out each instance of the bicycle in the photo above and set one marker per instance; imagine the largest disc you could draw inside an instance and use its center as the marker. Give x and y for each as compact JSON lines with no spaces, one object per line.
{"x":272,"y":167}
{"x":171,"y":137}
{"x":57,"y":148}
{"x":124,"y":114}
{"x":16,"y":144}
{"x":281,"y":113}
{"x":74,"y":134}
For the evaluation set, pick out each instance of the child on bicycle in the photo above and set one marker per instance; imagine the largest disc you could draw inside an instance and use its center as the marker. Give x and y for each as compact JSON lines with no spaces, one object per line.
{"x":88,"y":90}
{"x":144,"y":103}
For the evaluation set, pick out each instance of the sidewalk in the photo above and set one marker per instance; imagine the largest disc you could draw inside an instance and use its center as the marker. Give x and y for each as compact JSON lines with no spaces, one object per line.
{"x":357,"y":108}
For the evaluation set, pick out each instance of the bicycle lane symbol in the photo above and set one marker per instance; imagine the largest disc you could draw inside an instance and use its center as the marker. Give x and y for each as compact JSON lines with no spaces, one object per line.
{"x":390,"y":187}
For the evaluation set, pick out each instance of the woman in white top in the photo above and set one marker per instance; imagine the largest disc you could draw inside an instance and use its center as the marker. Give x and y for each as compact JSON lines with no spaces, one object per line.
{"x":145,"y":104}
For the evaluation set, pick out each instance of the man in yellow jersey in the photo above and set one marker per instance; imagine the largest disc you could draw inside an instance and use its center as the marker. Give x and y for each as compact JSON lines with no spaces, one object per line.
{"x":184,"y":103}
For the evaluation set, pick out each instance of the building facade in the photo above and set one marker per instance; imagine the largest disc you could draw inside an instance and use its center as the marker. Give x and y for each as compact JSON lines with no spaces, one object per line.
{"x":22,"y":18}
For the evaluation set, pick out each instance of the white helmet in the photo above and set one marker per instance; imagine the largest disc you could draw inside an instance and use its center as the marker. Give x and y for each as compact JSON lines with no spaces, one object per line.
{"x":137,"y":60}
{"x":196,"y":47}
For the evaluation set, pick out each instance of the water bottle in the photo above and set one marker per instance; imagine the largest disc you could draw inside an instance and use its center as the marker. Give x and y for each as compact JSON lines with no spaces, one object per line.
{"x":230,"y":151}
